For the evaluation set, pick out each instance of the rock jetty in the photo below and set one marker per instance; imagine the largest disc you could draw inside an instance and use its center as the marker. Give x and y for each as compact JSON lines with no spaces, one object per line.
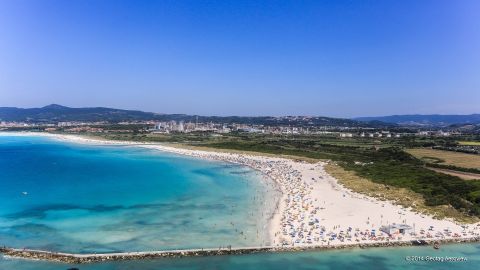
{"x":72,"y":258}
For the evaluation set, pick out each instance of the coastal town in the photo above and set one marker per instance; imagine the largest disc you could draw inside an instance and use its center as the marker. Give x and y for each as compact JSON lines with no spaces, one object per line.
{"x":172,"y":127}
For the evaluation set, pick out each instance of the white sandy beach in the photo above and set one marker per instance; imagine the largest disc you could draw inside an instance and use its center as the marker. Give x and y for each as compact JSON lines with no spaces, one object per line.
{"x":314,"y":210}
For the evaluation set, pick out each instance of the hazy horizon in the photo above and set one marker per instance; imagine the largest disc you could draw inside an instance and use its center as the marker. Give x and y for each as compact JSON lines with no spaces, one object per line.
{"x":321,"y":58}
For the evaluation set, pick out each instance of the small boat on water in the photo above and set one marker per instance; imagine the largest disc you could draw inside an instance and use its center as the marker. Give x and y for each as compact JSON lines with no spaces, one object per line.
{"x":24,"y":193}
{"x":436,"y":245}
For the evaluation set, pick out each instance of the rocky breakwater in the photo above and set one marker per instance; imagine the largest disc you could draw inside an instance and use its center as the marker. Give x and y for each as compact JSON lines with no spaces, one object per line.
{"x":92,"y":258}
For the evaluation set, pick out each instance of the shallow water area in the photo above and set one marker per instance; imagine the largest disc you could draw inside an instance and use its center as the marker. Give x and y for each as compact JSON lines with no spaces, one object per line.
{"x":62,"y":196}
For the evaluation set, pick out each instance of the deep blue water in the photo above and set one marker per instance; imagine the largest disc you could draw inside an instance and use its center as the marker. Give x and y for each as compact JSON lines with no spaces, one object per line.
{"x":372,"y":259}
{"x":79,"y":198}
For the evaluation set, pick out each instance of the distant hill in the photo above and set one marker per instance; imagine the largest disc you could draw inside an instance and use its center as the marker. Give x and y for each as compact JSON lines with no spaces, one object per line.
{"x":56,"y":113}
{"x":425,"y":120}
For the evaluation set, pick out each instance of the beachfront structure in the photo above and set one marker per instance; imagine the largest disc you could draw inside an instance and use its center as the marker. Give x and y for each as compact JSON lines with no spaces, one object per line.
{"x":396,"y":229}
{"x":346,"y":135}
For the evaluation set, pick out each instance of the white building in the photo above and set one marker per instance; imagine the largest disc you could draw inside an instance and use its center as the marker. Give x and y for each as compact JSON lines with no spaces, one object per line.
{"x":180,"y":127}
{"x":346,"y":135}
{"x":396,"y":229}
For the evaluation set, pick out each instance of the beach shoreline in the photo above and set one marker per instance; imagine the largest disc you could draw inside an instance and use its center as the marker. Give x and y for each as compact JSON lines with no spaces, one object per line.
{"x":313,"y":210}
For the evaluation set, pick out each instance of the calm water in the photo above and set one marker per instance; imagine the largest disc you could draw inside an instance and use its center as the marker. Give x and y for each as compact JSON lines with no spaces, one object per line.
{"x":390,"y":258}
{"x":78,"y":198}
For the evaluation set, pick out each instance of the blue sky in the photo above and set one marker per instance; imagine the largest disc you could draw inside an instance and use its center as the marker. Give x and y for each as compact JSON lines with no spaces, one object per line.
{"x":332,"y":58}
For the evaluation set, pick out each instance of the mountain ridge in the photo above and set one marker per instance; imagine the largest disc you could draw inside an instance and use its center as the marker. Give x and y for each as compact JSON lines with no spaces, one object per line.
{"x":58,"y":113}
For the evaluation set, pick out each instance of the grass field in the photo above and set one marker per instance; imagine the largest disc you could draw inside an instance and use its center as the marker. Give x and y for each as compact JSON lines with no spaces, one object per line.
{"x":469,"y":143}
{"x":447,"y":157}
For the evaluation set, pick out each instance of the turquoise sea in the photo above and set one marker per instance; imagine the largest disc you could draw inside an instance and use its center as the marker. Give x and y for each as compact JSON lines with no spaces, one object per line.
{"x":80,"y":198}
{"x":62,"y":196}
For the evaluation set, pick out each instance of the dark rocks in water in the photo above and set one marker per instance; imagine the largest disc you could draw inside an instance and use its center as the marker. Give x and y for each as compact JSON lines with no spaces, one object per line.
{"x":419,"y":243}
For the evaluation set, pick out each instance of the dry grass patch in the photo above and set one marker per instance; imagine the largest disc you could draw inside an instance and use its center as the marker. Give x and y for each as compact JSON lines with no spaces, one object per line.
{"x":469,"y":143}
{"x":450,"y":158}
{"x":400,"y":196}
